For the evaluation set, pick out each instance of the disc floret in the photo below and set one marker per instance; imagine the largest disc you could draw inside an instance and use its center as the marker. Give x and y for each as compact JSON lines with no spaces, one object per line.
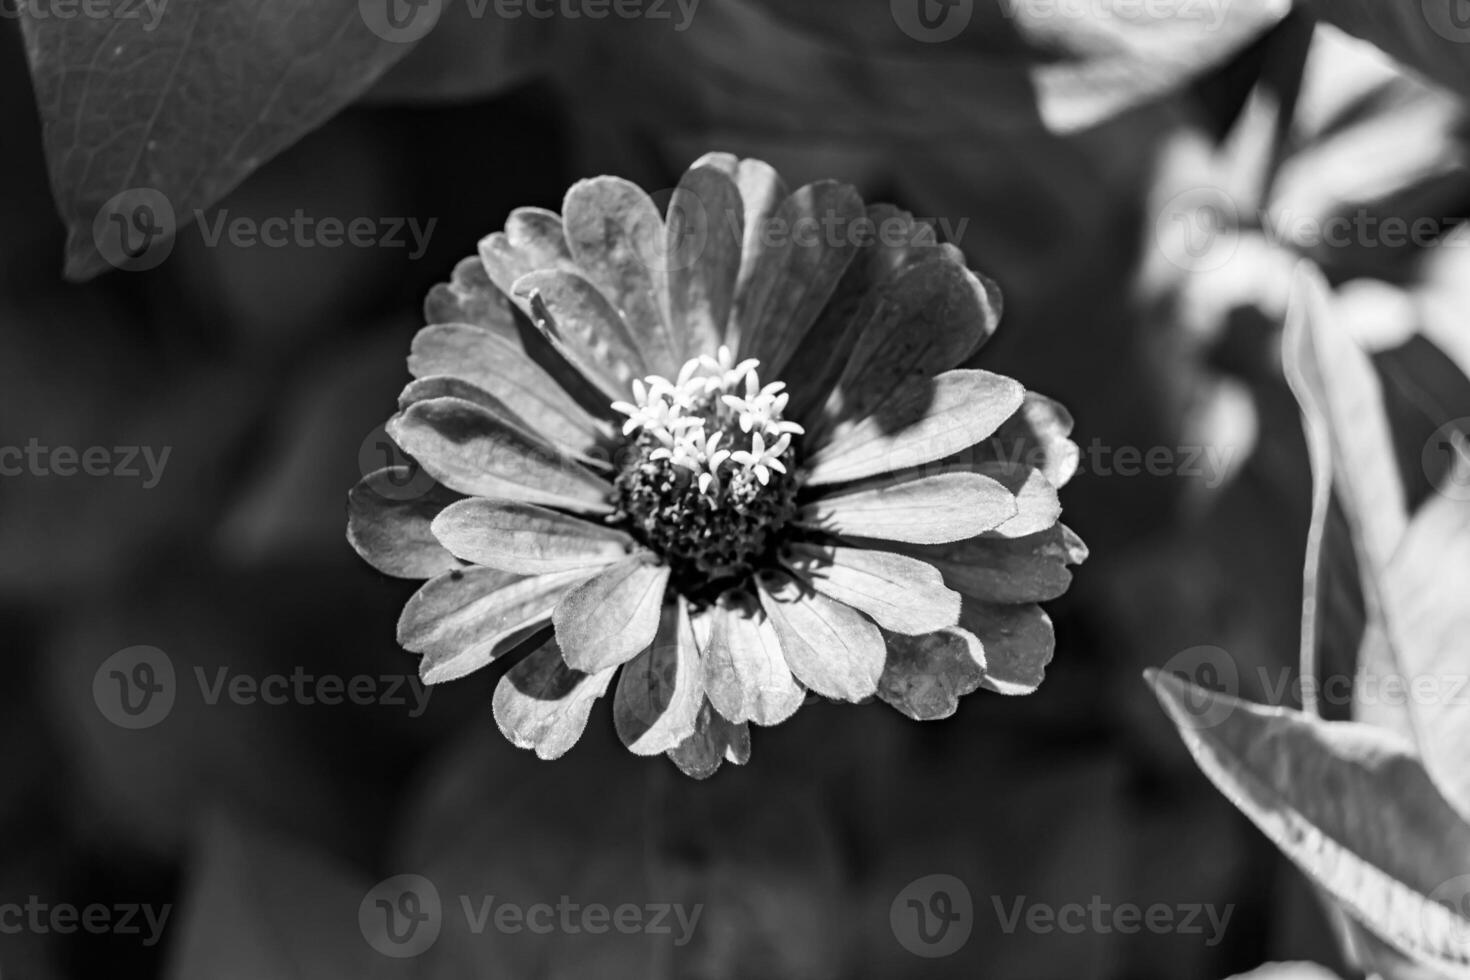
{"x":709,"y":481}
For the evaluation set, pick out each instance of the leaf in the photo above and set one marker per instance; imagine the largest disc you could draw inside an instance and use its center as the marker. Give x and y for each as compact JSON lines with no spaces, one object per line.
{"x":527,"y":539}
{"x":613,"y":616}
{"x":1427,"y":588}
{"x":899,"y":593}
{"x":179,"y":102}
{"x":1350,"y":805}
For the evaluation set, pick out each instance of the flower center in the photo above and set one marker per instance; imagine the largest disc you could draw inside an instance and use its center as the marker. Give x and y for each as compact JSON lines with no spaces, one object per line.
{"x":709,"y":480}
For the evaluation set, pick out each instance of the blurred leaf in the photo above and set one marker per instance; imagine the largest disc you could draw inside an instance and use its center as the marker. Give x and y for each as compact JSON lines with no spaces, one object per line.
{"x":1350,"y":805}
{"x":1427,"y":35}
{"x":257,"y":908}
{"x":1427,"y":586}
{"x":185,"y":98}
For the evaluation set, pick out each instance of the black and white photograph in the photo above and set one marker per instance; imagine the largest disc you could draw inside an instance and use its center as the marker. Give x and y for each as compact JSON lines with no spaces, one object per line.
{"x":735,"y":489}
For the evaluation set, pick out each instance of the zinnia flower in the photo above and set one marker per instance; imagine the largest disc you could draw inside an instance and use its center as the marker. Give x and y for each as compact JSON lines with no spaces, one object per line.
{"x":724,"y":461}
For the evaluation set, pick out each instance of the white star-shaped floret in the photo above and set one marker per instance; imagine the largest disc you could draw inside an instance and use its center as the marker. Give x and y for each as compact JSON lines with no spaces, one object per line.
{"x":761,"y":459}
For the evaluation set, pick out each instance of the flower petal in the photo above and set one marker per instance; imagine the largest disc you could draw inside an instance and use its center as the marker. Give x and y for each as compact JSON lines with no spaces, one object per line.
{"x":1018,"y":642}
{"x":993,"y":568}
{"x":761,"y":193}
{"x":928,"y":318}
{"x":527,"y":539}
{"x":899,"y":593}
{"x":925,"y":676}
{"x":533,"y":240}
{"x":705,"y":227}
{"x":464,"y":619}
{"x":543,"y":704}
{"x":467,"y":448}
{"x":1037,"y":505}
{"x":391,"y":531}
{"x":925,"y":419}
{"x":831,"y":648}
{"x":1036,"y":436}
{"x":745,"y":674}
{"x":660,"y":692}
{"x":928,"y":510}
{"x":714,"y":740}
{"x":898,"y":241}
{"x":501,"y":367}
{"x":616,"y":235}
{"x":612,"y":617}
{"x":584,"y":328}
{"x":805,"y":248}
{"x":471,"y":298}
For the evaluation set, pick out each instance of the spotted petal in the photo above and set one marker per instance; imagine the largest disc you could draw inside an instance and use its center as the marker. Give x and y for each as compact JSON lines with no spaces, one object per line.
{"x":926,"y":419}
{"x":543,"y":704}
{"x":831,"y":648}
{"x":614,"y":616}
{"x":745,"y":674}
{"x":468,"y":448}
{"x":463,"y":620}
{"x":899,"y":593}
{"x":616,"y":236}
{"x":660,"y":691}
{"x":584,"y":327}
{"x":526,"y":539}
{"x":706,"y":223}
{"x":992,"y":568}
{"x":761,"y":193}
{"x":390,"y":527}
{"x":471,"y":298}
{"x":533,"y":239}
{"x":714,"y":741}
{"x":1018,"y":642}
{"x":500,"y":367}
{"x":808,"y":244}
{"x":928,"y":510}
{"x":930,"y":317}
{"x":925,"y":676}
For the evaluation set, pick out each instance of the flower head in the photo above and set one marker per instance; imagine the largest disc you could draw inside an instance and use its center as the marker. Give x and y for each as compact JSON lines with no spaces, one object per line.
{"x":730,"y":480}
